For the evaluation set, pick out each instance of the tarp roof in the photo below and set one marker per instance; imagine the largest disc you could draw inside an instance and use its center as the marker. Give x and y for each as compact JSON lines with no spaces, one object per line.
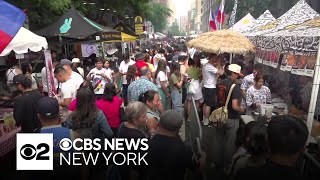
{"x":75,"y":25}
{"x":25,"y":40}
{"x":298,"y":14}
{"x":300,"y":34}
{"x":262,"y":20}
{"x":243,"y":23}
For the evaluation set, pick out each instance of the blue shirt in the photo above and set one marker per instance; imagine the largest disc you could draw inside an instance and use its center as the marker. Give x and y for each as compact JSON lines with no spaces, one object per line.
{"x":140,"y":86}
{"x":59,"y":133}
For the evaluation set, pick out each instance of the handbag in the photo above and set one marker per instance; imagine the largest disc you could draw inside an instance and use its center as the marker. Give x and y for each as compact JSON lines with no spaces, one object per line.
{"x":219,"y":116}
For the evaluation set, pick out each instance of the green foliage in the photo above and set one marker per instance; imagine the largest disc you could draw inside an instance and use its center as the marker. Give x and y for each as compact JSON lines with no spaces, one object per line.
{"x":174,"y":30}
{"x":158,"y":14}
{"x":44,"y":12}
{"x":254,"y":7}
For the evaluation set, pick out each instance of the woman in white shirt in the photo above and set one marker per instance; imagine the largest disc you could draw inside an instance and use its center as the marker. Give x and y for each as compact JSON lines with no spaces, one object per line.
{"x":162,"y":82}
{"x":258,"y":94}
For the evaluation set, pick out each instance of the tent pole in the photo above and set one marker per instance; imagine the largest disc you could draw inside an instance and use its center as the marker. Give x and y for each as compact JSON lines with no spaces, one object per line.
{"x":314,"y":93}
{"x":103,"y":55}
{"x":65,"y":51}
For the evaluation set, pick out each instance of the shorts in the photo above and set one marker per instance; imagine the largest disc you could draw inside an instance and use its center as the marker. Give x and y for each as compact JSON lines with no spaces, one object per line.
{"x":210,"y":96}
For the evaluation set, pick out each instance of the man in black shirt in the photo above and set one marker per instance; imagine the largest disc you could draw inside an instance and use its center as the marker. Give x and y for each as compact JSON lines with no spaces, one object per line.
{"x":226,"y":135}
{"x":286,"y":137}
{"x":25,"y":107}
{"x":168,"y":156}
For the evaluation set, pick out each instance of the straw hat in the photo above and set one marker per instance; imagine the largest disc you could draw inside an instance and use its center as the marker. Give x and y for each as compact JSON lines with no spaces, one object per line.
{"x":222,"y":41}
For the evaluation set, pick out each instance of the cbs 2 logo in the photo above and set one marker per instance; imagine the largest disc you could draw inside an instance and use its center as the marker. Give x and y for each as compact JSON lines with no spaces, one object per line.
{"x":28,"y":151}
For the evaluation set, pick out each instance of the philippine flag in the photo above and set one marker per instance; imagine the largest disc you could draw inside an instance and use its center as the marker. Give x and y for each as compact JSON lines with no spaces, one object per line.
{"x":212,"y":21}
{"x":11,"y":20}
{"x":220,"y":13}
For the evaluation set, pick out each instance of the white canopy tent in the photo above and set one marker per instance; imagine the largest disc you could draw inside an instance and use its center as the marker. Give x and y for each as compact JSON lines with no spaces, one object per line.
{"x":262,"y":20}
{"x":244,"y":23}
{"x":25,"y":40}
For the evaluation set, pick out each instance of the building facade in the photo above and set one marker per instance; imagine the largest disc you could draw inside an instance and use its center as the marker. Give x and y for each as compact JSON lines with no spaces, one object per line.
{"x":194,"y":17}
{"x":183,"y":23}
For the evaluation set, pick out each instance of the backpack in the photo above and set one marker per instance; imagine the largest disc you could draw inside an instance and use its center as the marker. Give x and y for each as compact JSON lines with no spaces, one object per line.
{"x":219,"y":116}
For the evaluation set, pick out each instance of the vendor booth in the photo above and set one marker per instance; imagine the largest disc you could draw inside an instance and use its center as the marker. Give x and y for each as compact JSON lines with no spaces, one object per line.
{"x":289,"y":49}
{"x":23,"y":42}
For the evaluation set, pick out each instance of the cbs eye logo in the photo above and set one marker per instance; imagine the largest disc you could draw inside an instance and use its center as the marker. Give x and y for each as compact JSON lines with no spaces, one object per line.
{"x":28,"y":151}
{"x":34,"y":151}
{"x":65,"y":144}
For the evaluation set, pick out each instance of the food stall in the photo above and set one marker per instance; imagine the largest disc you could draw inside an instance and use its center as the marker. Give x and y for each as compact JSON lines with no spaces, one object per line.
{"x":23,"y":41}
{"x":289,"y":49}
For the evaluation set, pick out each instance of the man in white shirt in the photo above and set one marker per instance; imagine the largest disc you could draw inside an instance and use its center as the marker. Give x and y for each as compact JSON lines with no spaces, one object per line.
{"x":124,"y":65}
{"x":99,"y":78}
{"x":210,"y":75}
{"x":67,"y":65}
{"x":68,"y":89}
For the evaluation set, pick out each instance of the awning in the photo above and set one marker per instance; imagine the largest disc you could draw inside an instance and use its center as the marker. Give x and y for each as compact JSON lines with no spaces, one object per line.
{"x":124,"y":38}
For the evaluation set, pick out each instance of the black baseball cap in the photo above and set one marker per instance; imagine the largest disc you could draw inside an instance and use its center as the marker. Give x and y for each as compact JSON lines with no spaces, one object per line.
{"x":48,"y":107}
{"x":22,"y":79}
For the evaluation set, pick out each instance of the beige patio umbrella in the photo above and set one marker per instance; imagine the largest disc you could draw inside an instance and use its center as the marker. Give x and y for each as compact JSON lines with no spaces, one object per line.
{"x":223,"y":41}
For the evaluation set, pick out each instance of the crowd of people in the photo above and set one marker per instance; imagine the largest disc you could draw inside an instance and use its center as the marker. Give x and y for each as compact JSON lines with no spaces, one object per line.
{"x":149,"y":96}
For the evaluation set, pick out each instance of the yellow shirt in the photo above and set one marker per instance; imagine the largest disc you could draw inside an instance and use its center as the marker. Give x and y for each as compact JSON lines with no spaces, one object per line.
{"x":151,"y":67}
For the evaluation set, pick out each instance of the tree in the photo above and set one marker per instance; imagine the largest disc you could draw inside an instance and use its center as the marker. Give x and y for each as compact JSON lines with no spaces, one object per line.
{"x":158,"y":14}
{"x":41,"y":13}
{"x":254,"y":7}
{"x":174,"y":29}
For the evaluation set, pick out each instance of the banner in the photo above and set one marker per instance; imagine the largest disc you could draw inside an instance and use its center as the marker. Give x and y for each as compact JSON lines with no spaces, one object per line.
{"x":88,"y":49}
{"x":274,"y":59}
{"x":266,"y":58}
{"x":295,"y":64}
{"x":50,"y":75}
{"x":232,"y":19}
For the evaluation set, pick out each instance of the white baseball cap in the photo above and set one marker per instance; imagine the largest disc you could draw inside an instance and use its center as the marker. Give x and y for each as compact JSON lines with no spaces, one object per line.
{"x":235,"y":68}
{"x":75,"y":60}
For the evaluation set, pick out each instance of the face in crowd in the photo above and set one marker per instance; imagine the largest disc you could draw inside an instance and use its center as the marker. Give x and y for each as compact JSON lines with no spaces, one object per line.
{"x":99,"y":65}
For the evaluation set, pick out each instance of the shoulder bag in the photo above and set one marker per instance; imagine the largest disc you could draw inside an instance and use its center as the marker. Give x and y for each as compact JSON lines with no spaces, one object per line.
{"x":219,"y":116}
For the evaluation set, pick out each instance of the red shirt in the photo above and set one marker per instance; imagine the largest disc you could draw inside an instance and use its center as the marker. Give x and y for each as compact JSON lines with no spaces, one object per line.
{"x":140,"y":64}
{"x":73,"y":105}
{"x":111,"y":110}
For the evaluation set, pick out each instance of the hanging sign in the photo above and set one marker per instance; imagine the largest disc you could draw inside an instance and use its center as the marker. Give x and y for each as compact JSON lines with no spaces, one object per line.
{"x":138,"y":21}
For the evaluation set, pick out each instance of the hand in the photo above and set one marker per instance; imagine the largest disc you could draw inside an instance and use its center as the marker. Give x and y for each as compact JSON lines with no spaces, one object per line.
{"x":168,"y":95}
{"x":66,"y":26}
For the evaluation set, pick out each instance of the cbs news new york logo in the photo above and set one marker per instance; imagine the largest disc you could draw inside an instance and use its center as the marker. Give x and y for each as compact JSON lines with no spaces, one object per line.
{"x":34,"y":151}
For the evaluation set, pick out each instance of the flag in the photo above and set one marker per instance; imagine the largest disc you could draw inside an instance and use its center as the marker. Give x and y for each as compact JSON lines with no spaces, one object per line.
{"x":212,"y":22}
{"x":11,"y":20}
{"x":220,"y":13}
{"x":232,"y":19}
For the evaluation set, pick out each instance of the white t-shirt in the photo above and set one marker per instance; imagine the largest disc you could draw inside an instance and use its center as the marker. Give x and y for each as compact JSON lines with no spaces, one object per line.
{"x":209,"y":73}
{"x":45,"y":80}
{"x":124,"y":68}
{"x":78,"y":79}
{"x":68,"y":90}
{"x":160,"y":78}
{"x":109,"y":73}
{"x":98,"y":81}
